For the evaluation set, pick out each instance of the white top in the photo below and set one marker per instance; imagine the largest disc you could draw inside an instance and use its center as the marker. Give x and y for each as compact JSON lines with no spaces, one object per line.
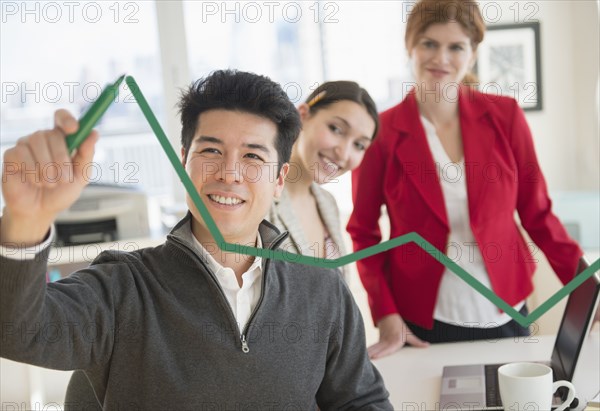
{"x":457,"y":302}
{"x":241,"y":299}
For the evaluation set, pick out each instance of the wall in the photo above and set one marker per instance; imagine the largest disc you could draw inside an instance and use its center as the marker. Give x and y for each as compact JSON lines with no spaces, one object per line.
{"x":586,"y":57}
{"x":566,"y":130}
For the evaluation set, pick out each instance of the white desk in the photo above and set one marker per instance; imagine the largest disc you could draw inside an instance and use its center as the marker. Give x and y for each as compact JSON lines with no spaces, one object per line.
{"x":413,"y":375}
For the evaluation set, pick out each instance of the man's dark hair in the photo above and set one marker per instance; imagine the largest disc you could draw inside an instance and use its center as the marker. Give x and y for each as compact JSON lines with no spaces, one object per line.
{"x":245,"y":92}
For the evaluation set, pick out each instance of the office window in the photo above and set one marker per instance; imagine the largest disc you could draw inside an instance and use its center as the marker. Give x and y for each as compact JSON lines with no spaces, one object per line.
{"x":302,"y":44}
{"x":60,"y":55}
{"x":366,"y":44}
{"x":277,"y":39}
{"x":299,"y":44}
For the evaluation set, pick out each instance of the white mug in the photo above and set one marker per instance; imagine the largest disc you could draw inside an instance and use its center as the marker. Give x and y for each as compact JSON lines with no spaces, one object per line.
{"x":528,"y":386}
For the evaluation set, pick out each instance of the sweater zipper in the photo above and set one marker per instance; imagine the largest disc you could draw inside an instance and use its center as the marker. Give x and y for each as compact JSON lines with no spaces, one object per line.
{"x":245,"y":348}
{"x":274,"y":244}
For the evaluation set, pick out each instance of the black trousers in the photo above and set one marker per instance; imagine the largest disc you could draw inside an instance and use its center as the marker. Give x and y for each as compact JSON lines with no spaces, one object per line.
{"x":444,"y":332}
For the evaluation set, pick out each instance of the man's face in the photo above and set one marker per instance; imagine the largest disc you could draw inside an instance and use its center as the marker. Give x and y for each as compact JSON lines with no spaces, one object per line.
{"x":232,"y":161}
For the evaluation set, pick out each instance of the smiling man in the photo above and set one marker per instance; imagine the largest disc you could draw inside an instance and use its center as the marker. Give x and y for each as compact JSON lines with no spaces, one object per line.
{"x":185,"y":325}
{"x":230,"y":158}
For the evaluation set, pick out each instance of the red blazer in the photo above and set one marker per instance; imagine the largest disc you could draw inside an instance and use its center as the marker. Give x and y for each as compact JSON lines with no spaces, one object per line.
{"x":503,"y":175}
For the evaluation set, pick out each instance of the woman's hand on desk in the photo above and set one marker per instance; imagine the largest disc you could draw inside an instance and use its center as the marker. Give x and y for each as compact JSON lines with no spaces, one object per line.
{"x":393,"y":334}
{"x":40,"y":179}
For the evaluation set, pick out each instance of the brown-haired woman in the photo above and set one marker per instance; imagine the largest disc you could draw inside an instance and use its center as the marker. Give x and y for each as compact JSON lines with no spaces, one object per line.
{"x":339,"y":122}
{"x":453,"y":165}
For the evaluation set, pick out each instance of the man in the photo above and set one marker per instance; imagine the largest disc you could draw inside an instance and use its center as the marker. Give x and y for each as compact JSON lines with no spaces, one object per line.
{"x":186,"y":325}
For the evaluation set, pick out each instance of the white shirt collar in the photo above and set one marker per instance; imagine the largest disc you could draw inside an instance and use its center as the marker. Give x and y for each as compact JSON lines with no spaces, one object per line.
{"x":217,"y":268}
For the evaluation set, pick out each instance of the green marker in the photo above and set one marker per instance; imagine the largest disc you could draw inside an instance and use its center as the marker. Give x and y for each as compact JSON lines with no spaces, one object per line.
{"x":93,"y":114}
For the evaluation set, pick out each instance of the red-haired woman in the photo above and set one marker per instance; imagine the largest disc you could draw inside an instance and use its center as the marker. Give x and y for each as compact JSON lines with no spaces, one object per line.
{"x":453,"y":165}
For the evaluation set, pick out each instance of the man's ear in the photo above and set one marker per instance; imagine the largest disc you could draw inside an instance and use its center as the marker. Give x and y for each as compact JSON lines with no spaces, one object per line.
{"x":285,"y":168}
{"x":183,"y":157}
{"x":304,"y":111}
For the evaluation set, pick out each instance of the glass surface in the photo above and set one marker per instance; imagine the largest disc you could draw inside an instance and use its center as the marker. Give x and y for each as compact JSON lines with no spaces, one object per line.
{"x":60,"y":55}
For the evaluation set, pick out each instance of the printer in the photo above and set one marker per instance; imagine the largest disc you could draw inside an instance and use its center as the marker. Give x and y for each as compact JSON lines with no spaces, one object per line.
{"x":104,"y":213}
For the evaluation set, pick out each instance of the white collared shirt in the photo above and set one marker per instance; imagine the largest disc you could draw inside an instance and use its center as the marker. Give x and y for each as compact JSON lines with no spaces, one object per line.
{"x":242,"y":300}
{"x":457,"y":302}
{"x":15,"y":252}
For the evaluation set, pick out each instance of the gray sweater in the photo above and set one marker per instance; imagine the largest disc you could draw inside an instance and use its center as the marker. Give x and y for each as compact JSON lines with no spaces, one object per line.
{"x":153,"y":330}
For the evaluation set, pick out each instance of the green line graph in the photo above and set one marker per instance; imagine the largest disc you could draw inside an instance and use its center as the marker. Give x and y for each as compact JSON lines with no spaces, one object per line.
{"x":350,"y":258}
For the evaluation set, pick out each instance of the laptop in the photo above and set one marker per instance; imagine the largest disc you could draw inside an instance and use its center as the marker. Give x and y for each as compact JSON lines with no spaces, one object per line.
{"x":474,"y":387}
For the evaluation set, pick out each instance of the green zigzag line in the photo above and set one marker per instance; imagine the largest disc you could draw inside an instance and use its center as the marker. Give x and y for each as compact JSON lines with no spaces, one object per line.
{"x":350,"y":258}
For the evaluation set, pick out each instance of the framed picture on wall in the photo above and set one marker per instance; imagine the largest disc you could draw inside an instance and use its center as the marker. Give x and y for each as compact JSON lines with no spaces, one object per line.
{"x":509,"y":63}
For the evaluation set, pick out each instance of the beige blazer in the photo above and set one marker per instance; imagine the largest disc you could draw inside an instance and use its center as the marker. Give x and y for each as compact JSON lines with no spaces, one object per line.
{"x":282,"y":215}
